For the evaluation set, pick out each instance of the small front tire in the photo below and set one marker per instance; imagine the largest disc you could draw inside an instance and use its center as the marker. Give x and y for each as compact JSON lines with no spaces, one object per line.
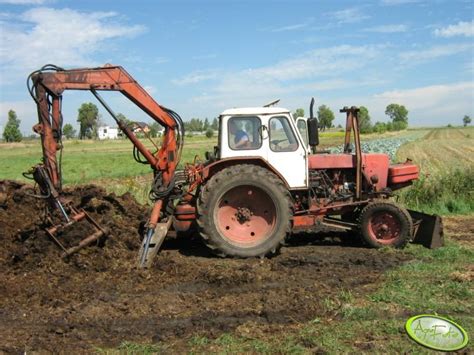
{"x":385,"y":224}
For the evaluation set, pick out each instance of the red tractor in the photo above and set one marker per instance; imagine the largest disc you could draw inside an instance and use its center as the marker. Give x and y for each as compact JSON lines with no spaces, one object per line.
{"x":264,"y":180}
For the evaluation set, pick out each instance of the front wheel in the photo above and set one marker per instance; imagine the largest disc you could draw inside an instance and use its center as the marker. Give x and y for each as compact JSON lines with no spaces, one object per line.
{"x":383,"y":223}
{"x":244,"y":211}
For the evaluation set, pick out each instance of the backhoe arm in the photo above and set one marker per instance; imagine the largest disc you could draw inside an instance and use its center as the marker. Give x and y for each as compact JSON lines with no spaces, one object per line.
{"x":47,"y":86}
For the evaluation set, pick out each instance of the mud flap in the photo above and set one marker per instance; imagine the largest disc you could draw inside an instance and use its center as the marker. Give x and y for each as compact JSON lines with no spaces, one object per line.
{"x":428,"y":229}
{"x":152,"y":244}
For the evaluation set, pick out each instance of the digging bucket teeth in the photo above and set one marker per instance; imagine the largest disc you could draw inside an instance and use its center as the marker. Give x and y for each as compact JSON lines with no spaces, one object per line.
{"x":428,"y":229}
{"x":76,"y":216}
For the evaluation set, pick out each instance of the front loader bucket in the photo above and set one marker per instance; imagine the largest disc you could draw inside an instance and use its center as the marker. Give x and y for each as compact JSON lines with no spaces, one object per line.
{"x":428,"y":229}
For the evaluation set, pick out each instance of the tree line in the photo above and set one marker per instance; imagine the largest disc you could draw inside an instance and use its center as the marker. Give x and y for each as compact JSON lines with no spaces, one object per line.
{"x":398,"y":115}
{"x":89,"y":120}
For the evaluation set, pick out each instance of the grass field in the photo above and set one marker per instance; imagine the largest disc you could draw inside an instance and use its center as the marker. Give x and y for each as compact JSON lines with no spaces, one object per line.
{"x":441,"y":150}
{"x":446,"y":160}
{"x":93,"y":161}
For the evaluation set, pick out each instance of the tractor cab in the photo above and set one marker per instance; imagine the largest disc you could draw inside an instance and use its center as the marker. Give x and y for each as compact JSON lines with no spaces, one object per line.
{"x":268,"y":133}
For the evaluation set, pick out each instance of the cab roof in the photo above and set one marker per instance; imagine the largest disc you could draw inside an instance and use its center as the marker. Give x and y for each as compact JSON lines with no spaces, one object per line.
{"x":254,"y":111}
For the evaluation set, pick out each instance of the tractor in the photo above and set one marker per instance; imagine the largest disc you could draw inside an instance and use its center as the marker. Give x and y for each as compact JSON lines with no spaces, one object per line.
{"x":264,"y":180}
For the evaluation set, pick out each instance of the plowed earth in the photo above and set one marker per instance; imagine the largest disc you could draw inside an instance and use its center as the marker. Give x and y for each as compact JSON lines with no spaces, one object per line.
{"x":98,"y":298}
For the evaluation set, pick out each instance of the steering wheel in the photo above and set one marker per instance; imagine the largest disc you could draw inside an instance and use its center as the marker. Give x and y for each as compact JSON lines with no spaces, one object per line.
{"x":278,"y":141}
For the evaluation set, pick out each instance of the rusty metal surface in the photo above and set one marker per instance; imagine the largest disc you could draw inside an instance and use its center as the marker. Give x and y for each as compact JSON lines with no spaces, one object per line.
{"x":428,"y":229}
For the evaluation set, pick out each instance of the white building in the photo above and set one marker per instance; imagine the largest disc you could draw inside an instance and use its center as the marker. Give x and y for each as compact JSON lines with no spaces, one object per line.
{"x":107,"y":132}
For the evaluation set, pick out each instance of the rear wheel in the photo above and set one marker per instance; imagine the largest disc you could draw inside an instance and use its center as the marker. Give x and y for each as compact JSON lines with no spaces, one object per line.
{"x":244,"y":211}
{"x":384,"y":223}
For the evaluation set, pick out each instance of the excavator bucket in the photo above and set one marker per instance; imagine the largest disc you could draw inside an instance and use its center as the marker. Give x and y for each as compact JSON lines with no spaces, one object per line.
{"x":152,"y":243}
{"x":428,"y":229}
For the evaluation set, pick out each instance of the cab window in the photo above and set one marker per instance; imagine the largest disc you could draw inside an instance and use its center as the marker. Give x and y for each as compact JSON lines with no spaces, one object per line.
{"x":282,"y":138}
{"x":303,"y":129}
{"x":244,"y":132}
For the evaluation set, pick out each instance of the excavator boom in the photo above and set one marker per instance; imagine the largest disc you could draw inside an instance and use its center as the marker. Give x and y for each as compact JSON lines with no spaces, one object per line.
{"x":47,"y":85}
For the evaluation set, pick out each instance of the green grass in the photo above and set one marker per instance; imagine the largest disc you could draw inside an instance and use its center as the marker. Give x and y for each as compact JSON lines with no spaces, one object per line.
{"x":444,"y":194}
{"x":87,"y":161}
{"x":109,"y":163}
{"x":446,"y":160}
{"x":134,"y":348}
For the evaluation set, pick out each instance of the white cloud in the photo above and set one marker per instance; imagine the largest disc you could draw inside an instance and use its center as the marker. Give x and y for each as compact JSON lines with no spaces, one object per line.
{"x":432,"y":105}
{"x":387,"y":29}
{"x":424,"y":55}
{"x":205,"y":56}
{"x":398,"y":2}
{"x":446,"y":102}
{"x":316,"y":70}
{"x":24,"y":2}
{"x":462,"y":28}
{"x":196,"y":77}
{"x":429,"y":96}
{"x":62,"y":36}
{"x":294,"y":27}
{"x":349,"y":15}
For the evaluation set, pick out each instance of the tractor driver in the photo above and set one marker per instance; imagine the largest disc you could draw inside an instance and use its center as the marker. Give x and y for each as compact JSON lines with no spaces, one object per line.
{"x":241,"y":138}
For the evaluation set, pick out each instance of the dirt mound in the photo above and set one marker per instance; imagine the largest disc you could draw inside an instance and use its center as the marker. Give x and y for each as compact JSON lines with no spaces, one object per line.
{"x":98,"y":298}
{"x":26,"y":245}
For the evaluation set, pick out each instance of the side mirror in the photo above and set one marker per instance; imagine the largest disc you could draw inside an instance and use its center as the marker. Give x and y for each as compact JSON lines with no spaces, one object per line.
{"x":313,"y":132}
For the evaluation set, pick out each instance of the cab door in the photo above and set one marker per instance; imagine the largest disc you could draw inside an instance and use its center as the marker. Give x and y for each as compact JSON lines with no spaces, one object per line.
{"x":287,"y":152}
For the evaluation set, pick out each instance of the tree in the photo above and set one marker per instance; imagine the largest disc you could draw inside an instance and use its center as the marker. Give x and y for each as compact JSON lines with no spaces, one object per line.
{"x":123,"y":118}
{"x":380,"y":127}
{"x":12,"y":132}
{"x":215,"y":124}
{"x":397,"y":113}
{"x":206,"y":125}
{"x":210,"y":133}
{"x":88,"y":115}
{"x":364,"y":120}
{"x":325,"y":117}
{"x":69,"y":131}
{"x":195,"y":125}
{"x":298,"y":113}
{"x":466,"y":120}
{"x":155,"y":129}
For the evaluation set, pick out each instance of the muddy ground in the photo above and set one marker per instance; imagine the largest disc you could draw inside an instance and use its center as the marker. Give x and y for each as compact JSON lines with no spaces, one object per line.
{"x":98,"y":298}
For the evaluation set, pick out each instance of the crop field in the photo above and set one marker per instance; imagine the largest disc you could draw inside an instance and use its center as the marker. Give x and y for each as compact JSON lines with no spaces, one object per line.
{"x":446,"y":160}
{"x":441,"y":150}
{"x":323,"y":293}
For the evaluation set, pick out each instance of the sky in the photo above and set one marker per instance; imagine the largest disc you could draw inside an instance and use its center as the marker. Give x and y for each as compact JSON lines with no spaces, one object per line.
{"x":202,"y":57}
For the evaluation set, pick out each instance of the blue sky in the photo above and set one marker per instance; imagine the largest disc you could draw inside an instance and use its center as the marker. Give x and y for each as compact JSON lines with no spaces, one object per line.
{"x":201,"y":57}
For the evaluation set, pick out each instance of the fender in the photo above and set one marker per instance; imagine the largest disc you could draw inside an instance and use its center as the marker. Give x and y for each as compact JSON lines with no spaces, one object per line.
{"x":213,"y":168}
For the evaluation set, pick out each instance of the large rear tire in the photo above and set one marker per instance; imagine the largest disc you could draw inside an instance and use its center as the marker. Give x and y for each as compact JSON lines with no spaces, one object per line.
{"x":244,"y":211}
{"x":384,"y":223}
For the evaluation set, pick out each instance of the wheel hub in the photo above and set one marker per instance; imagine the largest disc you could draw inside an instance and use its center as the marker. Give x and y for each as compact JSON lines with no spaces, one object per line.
{"x":243,"y":214}
{"x":384,"y":226}
{"x":246,"y":215}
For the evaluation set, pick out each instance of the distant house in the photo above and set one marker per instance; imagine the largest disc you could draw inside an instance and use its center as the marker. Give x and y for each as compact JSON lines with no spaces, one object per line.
{"x":107,"y":132}
{"x":141,"y":127}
